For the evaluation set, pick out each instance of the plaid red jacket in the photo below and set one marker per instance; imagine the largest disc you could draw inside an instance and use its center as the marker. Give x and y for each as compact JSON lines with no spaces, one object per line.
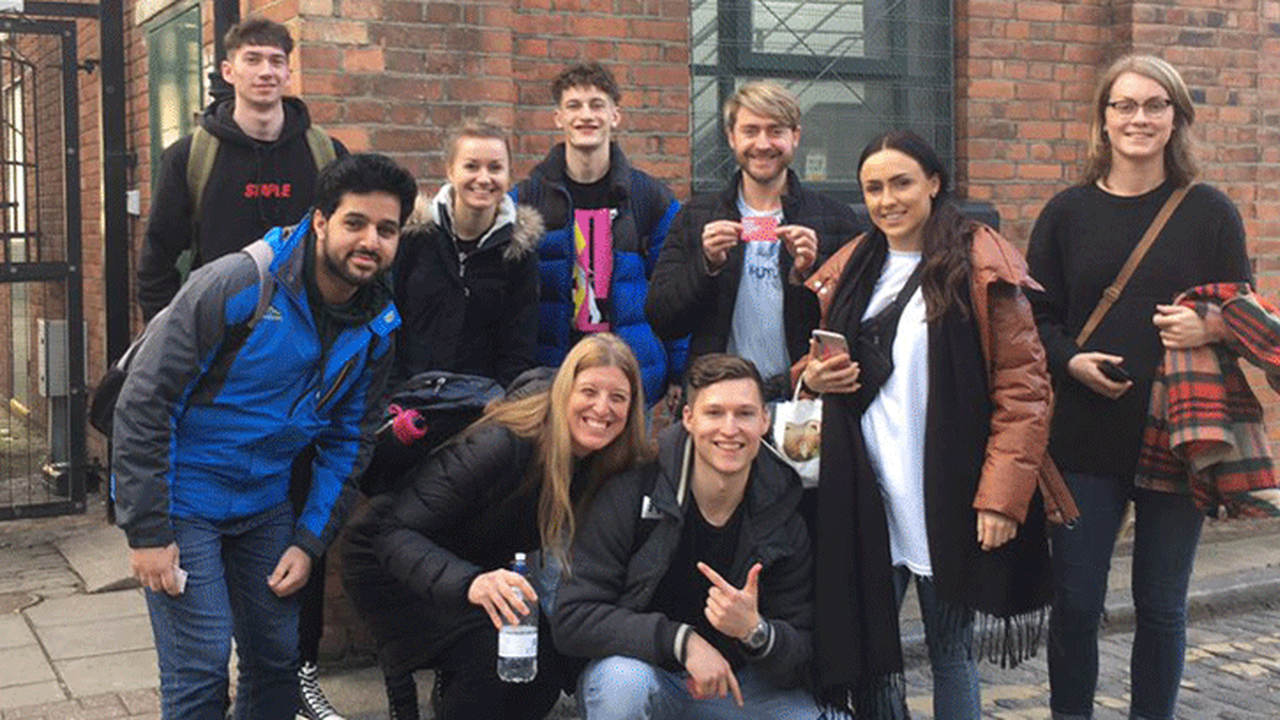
{"x":1204,"y":434}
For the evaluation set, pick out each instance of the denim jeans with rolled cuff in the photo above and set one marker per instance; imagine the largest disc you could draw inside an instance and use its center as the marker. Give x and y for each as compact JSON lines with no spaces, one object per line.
{"x":1165,"y":534}
{"x":228,"y":564}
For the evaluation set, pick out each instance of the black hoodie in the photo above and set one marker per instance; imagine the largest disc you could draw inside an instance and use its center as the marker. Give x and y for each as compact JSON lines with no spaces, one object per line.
{"x":253,"y":186}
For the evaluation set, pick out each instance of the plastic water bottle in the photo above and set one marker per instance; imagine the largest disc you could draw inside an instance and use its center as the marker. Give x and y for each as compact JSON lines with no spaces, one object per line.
{"x":518,"y":644}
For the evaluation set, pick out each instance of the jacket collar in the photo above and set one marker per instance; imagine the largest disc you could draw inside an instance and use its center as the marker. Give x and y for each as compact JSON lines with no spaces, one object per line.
{"x":773,"y":491}
{"x":526,"y":223}
{"x":552,"y":169}
{"x":992,"y":259}
{"x":441,"y":210}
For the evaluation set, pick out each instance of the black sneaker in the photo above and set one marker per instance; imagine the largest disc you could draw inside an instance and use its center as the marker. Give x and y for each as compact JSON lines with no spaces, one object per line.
{"x":315,"y":706}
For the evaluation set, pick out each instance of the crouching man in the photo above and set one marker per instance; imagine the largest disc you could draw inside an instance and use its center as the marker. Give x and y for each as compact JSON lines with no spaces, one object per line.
{"x":691,"y":589}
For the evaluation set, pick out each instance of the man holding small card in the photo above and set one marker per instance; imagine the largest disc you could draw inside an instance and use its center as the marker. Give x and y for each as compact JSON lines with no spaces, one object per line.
{"x":729,"y":275}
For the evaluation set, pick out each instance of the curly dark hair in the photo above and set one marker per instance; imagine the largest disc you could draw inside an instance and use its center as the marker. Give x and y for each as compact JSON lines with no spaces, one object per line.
{"x":364,"y":173}
{"x":589,"y":74}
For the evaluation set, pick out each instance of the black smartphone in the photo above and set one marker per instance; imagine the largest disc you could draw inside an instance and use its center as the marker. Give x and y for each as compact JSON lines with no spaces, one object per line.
{"x":1114,"y":372}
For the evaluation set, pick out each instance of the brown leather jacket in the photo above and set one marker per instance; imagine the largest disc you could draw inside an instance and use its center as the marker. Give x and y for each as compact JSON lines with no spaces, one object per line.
{"x":1017,"y":459}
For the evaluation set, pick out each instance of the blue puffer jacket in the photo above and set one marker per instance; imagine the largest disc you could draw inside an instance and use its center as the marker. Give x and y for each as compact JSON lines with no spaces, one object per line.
{"x":206,"y":429}
{"x":645,"y":209}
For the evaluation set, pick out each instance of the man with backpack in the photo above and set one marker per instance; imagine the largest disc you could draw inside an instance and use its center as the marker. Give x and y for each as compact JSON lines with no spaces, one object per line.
{"x":219,"y":399}
{"x":251,"y":165}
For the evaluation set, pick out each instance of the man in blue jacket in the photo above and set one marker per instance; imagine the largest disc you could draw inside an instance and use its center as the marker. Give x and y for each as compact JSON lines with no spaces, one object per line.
{"x":218,"y":401}
{"x":606,"y":224}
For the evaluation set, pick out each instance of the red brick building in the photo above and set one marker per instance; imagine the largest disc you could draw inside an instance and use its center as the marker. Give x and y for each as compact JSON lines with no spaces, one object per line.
{"x":1000,"y":87}
{"x":390,"y":75}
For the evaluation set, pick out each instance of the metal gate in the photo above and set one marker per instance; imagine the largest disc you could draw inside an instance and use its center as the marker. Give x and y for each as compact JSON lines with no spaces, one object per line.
{"x":42,"y":369}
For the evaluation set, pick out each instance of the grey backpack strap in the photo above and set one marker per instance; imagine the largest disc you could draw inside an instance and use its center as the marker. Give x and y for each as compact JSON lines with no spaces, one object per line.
{"x":262,"y":254}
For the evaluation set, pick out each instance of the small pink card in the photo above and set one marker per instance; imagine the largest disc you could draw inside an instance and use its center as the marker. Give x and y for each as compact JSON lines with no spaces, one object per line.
{"x":760,"y":228}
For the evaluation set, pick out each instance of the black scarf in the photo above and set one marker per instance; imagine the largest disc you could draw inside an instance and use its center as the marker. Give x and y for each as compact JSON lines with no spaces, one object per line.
{"x":856,"y":635}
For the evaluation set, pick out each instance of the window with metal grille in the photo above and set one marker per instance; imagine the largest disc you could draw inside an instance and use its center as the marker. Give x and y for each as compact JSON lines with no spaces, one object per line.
{"x":859,"y":67}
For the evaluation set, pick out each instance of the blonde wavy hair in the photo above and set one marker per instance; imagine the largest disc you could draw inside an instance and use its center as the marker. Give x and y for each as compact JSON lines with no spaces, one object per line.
{"x":766,"y":99}
{"x":543,"y":418}
{"x":1179,"y":153}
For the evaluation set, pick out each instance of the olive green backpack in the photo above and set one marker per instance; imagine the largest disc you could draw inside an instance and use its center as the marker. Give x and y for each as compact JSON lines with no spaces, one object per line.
{"x":204,"y":148}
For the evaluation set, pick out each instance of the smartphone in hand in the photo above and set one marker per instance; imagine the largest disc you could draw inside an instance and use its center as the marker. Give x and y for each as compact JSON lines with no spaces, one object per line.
{"x":1114,"y":372}
{"x":830,"y":344}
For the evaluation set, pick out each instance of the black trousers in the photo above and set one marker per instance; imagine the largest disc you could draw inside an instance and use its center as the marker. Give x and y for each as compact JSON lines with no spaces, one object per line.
{"x":473,"y":690}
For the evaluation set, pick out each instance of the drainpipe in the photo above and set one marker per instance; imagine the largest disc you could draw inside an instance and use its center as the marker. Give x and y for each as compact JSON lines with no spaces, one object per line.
{"x":225,"y":14}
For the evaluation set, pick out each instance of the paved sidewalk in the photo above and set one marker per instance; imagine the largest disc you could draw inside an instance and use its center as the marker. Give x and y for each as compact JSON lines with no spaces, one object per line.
{"x":69,"y":655}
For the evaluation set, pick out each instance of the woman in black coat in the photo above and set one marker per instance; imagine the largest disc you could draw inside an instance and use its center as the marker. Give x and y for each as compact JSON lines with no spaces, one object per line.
{"x":466,"y":276}
{"x":426,"y":569}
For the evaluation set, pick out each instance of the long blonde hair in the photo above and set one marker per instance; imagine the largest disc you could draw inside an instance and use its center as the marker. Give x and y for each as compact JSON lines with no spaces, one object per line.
{"x":1179,"y":153}
{"x":542,"y":418}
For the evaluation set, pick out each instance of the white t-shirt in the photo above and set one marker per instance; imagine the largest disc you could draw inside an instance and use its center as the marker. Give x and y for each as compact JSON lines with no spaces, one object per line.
{"x":893,"y":425}
{"x":756,"y":331}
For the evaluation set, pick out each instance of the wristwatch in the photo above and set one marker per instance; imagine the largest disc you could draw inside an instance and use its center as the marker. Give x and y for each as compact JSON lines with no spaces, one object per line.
{"x":758,"y":637}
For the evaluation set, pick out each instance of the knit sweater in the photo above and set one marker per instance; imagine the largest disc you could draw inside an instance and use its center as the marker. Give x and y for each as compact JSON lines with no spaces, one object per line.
{"x":1080,"y":241}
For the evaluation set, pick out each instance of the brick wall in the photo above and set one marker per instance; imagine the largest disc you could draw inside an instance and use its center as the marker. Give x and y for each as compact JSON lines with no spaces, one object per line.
{"x":645,"y":43}
{"x":391,"y":75}
{"x":1025,"y":73}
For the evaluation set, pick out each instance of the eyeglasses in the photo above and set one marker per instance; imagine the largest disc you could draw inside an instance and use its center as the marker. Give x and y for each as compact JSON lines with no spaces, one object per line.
{"x":1155,"y":107}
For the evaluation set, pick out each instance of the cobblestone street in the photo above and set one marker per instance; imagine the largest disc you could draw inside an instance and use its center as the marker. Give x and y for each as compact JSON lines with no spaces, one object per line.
{"x":1232,"y":673}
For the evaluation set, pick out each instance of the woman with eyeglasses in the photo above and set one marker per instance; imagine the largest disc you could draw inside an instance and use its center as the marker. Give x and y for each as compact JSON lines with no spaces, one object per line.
{"x":1140,"y":152}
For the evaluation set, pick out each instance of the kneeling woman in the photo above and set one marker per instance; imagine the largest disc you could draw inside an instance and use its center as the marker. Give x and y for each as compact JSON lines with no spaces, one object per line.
{"x":425,"y":568}
{"x":931,"y":441}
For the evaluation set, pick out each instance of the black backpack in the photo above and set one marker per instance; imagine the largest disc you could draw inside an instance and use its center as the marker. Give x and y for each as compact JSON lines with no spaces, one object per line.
{"x":424,"y":412}
{"x":102,"y":405}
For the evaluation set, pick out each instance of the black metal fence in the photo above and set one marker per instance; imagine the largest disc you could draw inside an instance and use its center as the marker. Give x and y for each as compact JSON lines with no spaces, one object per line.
{"x":42,"y":367}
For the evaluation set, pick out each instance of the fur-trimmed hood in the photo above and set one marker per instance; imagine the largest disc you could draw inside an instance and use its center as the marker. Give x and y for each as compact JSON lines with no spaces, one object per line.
{"x":527,"y":225}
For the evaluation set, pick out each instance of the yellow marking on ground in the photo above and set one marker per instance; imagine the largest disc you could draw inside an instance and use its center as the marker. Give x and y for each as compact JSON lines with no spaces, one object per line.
{"x":1244,"y":669}
{"x":1011,"y":692}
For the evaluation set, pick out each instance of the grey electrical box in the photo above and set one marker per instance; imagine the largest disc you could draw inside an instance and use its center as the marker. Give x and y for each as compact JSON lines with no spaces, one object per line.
{"x":52,"y":357}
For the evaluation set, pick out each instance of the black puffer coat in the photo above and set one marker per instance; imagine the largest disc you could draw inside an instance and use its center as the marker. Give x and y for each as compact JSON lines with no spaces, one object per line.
{"x":478,"y":317}
{"x":411,"y":557}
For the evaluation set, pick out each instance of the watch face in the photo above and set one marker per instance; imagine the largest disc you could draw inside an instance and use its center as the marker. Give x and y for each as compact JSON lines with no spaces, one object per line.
{"x":758,"y":636}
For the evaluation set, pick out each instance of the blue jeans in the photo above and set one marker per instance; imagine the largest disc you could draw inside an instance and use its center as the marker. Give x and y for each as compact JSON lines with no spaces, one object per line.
{"x":228,"y":564}
{"x":623,"y":688}
{"x":950,"y":643}
{"x":1166,"y":531}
